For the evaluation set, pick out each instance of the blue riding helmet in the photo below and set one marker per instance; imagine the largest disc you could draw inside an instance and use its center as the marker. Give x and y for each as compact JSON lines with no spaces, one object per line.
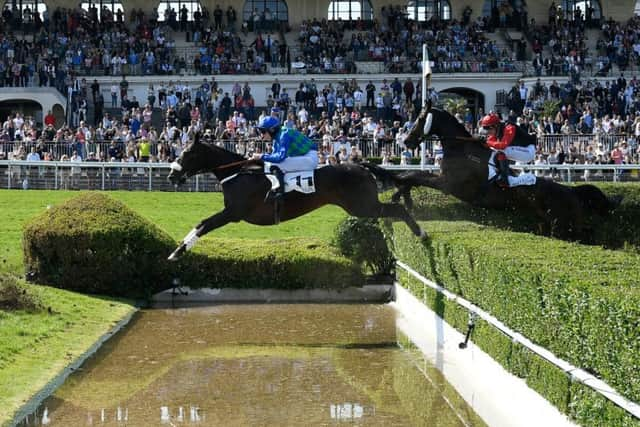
{"x":268,"y":123}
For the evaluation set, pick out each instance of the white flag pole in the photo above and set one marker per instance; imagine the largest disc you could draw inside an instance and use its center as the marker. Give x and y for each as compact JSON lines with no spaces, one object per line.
{"x":425,"y":64}
{"x":426,"y":80}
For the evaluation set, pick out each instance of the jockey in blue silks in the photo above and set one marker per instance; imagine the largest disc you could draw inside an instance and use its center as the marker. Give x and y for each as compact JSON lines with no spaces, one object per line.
{"x":292,"y":151}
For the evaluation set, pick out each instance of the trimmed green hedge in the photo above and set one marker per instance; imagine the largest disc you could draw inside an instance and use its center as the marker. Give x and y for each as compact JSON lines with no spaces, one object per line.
{"x":581,"y":302}
{"x":281,"y":264}
{"x":362,"y":240}
{"x":95,"y":244}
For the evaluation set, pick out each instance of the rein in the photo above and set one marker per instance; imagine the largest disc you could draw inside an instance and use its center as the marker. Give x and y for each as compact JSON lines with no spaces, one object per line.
{"x":463,"y":138}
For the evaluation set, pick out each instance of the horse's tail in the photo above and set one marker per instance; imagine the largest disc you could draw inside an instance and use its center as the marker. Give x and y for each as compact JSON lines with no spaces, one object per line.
{"x":595,"y":201}
{"x":386,"y":177}
{"x":404,"y":181}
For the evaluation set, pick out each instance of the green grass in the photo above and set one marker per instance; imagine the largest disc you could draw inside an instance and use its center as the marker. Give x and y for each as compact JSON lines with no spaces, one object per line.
{"x":176,"y":213}
{"x":36,"y":346}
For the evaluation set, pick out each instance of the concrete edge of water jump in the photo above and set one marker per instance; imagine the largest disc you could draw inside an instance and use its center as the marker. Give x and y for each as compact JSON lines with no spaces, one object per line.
{"x":497,"y":396}
{"x":203,"y":296}
{"x":36,"y":400}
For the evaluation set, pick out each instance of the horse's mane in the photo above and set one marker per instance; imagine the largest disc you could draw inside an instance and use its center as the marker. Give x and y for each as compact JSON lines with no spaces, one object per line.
{"x":216,"y":149}
{"x":451,"y":121}
{"x":221,"y":150}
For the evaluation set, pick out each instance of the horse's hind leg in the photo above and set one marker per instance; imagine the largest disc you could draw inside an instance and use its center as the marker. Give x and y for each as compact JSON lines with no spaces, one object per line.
{"x":404,"y":192}
{"x":205,"y":226}
{"x":394,"y":210}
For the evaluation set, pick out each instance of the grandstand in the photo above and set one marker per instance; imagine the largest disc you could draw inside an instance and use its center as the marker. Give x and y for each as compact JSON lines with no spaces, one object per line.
{"x":76,"y":80}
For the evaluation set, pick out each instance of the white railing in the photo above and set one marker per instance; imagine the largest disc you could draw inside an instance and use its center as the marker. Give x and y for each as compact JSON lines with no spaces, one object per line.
{"x":589,"y":172}
{"x":95,"y":176}
{"x":20,"y":174}
{"x":367,"y":146}
{"x":580,"y":141}
{"x":575,"y":373}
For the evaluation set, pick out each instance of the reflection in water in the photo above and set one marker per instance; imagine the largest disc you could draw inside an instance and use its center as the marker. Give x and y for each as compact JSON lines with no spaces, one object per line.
{"x":254,"y":365}
{"x":346,"y":411}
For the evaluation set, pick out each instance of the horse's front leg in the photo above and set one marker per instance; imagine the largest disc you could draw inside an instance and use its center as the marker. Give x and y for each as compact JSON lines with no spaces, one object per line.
{"x":205,"y":226}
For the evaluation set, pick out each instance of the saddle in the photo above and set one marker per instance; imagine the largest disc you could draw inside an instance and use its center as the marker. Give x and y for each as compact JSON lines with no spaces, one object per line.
{"x":300,"y":181}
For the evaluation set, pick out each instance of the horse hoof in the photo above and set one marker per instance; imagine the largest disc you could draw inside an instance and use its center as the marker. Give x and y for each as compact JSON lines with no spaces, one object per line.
{"x":176,"y":254}
{"x":423,"y":235}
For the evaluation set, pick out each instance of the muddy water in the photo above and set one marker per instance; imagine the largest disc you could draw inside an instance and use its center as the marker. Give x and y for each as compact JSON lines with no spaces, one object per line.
{"x":256,"y":365}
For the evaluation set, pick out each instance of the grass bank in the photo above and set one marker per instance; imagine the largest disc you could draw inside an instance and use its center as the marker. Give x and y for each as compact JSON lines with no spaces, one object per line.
{"x":35,"y":345}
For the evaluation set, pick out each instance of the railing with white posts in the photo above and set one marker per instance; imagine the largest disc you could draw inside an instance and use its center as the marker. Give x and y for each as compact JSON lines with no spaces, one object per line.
{"x":20,"y":174}
{"x":575,"y":373}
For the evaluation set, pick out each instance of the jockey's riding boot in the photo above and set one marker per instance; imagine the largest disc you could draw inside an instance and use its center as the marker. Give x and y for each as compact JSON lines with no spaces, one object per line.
{"x":278,"y":193}
{"x":503,"y":170}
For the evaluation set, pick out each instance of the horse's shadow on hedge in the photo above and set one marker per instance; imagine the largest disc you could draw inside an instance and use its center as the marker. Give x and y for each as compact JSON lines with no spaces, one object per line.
{"x":616,"y":231}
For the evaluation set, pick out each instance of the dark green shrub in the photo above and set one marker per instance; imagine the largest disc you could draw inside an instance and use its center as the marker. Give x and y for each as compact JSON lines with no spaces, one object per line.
{"x":362,"y":240}
{"x":15,"y":296}
{"x":95,"y":244}
{"x":278,"y":264}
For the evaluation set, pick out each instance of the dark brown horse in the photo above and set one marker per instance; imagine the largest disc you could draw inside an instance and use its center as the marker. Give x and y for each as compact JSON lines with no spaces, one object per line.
{"x":562,"y":210}
{"x":353,"y":187}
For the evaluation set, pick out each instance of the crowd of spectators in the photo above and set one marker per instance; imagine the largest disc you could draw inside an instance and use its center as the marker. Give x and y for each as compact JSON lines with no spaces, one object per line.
{"x":360,"y":118}
{"x":333,"y":46}
{"x":352,"y":119}
{"x":578,"y":124}
{"x":54,"y":48}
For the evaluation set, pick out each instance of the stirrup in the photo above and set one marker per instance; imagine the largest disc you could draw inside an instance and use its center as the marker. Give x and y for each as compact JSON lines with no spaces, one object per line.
{"x":502,"y":182}
{"x":274,"y":195}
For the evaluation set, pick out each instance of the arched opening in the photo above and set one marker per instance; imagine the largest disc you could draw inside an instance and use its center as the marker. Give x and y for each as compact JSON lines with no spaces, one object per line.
{"x":104,"y":10}
{"x":25,"y":12}
{"x":262,"y":14}
{"x":347,"y":10}
{"x":465,"y":100}
{"x":426,"y":10}
{"x":505,"y":13}
{"x":58,"y":113}
{"x":582,"y":10}
{"x":26,"y":107}
{"x":175,"y":11}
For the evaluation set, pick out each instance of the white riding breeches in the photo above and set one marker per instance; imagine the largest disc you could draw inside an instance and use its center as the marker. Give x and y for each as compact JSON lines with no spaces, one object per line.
{"x":520,"y":154}
{"x":306,"y":162}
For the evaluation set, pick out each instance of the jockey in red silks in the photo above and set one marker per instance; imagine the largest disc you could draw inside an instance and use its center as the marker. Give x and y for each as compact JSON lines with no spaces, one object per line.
{"x":509,"y":142}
